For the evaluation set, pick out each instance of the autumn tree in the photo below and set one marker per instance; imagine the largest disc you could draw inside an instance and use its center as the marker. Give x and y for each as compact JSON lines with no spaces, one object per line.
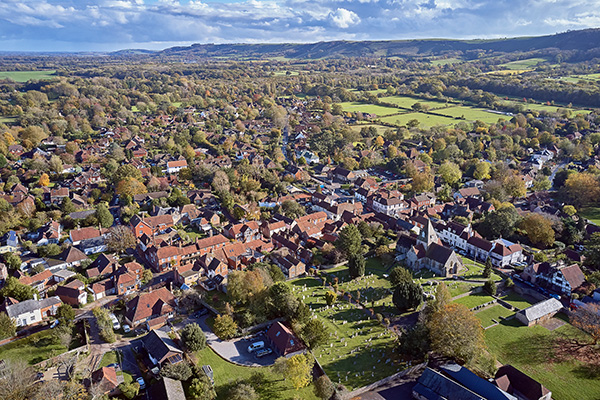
{"x":44,"y":180}
{"x":456,"y":332}
{"x":539,"y":229}
{"x":324,"y":388}
{"x":225,"y":327}
{"x":130,"y":187}
{"x":120,"y":238}
{"x":330,"y":297}
{"x":482,"y":170}
{"x":297,"y":369}
{"x":422,"y":182}
{"x":581,"y":189}
{"x":220,"y":182}
{"x":587,"y":318}
{"x":515,"y":186}
{"x":442,"y":297}
{"x":450,"y":173}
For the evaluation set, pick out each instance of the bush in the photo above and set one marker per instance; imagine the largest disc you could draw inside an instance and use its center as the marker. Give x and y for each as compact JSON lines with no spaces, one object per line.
{"x":242,"y":392}
{"x":490,"y":287}
{"x":324,"y":388}
{"x":193,"y":337}
{"x":180,"y":371}
{"x":509,"y":283}
{"x":129,"y":390}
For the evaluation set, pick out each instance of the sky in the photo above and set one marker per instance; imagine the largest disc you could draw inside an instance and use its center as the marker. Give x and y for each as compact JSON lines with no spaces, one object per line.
{"x":108,"y":25}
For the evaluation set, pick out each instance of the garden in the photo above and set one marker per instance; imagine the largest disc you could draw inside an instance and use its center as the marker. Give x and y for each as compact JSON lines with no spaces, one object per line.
{"x":35,"y":348}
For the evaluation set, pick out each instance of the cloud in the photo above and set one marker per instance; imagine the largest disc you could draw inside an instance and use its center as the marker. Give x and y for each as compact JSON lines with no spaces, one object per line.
{"x":343,"y":18}
{"x":156,"y":24}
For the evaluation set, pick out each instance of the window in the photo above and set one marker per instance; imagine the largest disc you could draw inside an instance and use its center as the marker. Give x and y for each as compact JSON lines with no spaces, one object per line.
{"x":277,"y":334}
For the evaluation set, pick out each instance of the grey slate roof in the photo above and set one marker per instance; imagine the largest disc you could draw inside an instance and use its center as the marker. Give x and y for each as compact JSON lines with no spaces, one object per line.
{"x":541,"y":309}
{"x":433,"y":385}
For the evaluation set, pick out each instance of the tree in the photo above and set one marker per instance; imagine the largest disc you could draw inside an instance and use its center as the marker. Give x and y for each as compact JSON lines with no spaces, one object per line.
{"x":441,"y":298}
{"x":146,"y":276}
{"x":587,"y":318}
{"x":44,"y":180}
{"x":130,"y":187}
{"x":8,"y":328}
{"x":104,"y":216}
{"x":330,"y":297}
{"x":202,"y":389}
{"x":487,"y":270}
{"x":193,"y":337}
{"x":515,"y":186}
{"x":314,"y":333}
{"x":456,"y":332}
{"x":324,"y":388}
{"x":482,"y":170}
{"x":129,"y":390}
{"x":379,"y":141}
{"x":581,"y":189}
{"x":407,"y":295}
{"x":56,"y":164}
{"x":220,"y":182}
{"x":422,"y":182}
{"x":297,"y":369}
{"x":356,"y":265}
{"x":15,"y":289}
{"x":12,"y":260}
{"x":499,"y":223}
{"x":67,"y":206}
{"x":65,"y":315}
{"x":120,"y":238}
{"x":180,"y":371}
{"x":490,"y":287}
{"x":592,"y":251}
{"x":350,"y":240}
{"x":399,"y":275}
{"x":126,"y":171}
{"x":225,"y":327}
{"x":282,"y":301}
{"x":539,"y":229}
{"x":541,"y":183}
{"x":17,"y":382}
{"x":292,"y":209}
{"x":242,"y":391}
{"x":450,"y":173}
{"x":569,"y":210}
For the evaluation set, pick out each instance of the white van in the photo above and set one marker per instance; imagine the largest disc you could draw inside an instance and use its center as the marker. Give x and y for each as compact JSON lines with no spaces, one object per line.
{"x":256,"y":346}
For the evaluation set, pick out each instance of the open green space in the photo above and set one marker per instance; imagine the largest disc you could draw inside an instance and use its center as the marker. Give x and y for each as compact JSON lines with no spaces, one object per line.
{"x":474,"y":300}
{"x":284,"y":73}
{"x":380,"y":128}
{"x":407,"y":102}
{"x":33,"y":349}
{"x":446,"y":61}
{"x":551,"y":108}
{"x":24,"y":76}
{"x":591,"y":213}
{"x":591,"y":78}
{"x":361,"y":351}
{"x":227,"y":374}
{"x":380,"y":111}
{"x":528,"y":63}
{"x":553,"y":358}
{"x":472,"y":114}
{"x":488,"y":315}
{"x":423,"y":119}
{"x":475,"y":270}
{"x":458,"y":288}
{"x":7,"y":120}
{"x":517,"y":301}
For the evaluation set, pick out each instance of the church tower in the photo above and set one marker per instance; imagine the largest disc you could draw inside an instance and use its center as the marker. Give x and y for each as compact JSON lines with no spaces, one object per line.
{"x":427,"y":236}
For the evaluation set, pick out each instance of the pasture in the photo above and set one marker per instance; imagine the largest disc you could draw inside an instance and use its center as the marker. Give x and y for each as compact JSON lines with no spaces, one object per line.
{"x":445,"y":61}
{"x":24,"y":76}
{"x":407,"y":102}
{"x":472,"y":114}
{"x":380,"y":111}
{"x":423,"y":119}
{"x":526,"y":64}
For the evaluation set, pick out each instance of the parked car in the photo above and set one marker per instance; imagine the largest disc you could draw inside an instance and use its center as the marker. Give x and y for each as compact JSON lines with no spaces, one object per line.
{"x":115,"y":321}
{"x":256,"y":346}
{"x":200,"y":312}
{"x":139,"y":331}
{"x":557,"y":297}
{"x":264,"y":352}
{"x":126,"y":328}
{"x":141,"y":382}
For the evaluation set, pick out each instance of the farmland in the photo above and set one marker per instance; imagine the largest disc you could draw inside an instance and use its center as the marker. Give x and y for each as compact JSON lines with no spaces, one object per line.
{"x":472,"y":114}
{"x":380,"y":111}
{"x":423,"y":119}
{"x":24,"y":76}
{"x":407,"y":102}
{"x":526,"y":64}
{"x":445,"y":61}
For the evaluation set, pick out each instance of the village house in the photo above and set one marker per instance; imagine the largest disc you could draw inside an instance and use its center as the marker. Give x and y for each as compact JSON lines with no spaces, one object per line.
{"x":557,"y":277}
{"x":283,"y":340}
{"x":30,"y":312}
{"x":72,"y":293}
{"x":145,"y":307}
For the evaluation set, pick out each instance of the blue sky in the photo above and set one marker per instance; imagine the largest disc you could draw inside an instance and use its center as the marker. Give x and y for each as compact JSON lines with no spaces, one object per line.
{"x":105,"y":25}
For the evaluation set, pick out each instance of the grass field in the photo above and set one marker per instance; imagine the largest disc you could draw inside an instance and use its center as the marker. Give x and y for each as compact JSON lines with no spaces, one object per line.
{"x":407,"y":102}
{"x":517,"y":301}
{"x":424,"y":119}
{"x":475,"y":270}
{"x":472,"y":114}
{"x":474,"y":300}
{"x":528,"y":63}
{"x":24,"y":76}
{"x":32,"y":349}
{"x":7,"y":120}
{"x":487,"y":315}
{"x":361,"y":351}
{"x":591,"y":213}
{"x":458,"y":288}
{"x":226,"y":375}
{"x":553,"y":358}
{"x":446,"y":61}
{"x":380,"y":128}
{"x":576,"y":78}
{"x":368,"y":108}
{"x":545,"y":107}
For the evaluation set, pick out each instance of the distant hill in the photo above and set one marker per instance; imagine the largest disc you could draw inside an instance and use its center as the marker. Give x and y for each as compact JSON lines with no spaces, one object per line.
{"x":581,"y":40}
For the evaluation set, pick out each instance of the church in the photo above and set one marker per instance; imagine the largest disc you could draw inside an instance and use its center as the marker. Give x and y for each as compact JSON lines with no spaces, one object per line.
{"x":428,"y":252}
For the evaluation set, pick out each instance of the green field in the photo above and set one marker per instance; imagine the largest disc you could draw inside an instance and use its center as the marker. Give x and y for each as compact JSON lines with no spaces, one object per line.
{"x":380,"y":111}
{"x":474,"y":300}
{"x":593,"y":78}
{"x":472,"y":114}
{"x":407,"y":102}
{"x":475,"y":270}
{"x":359,"y":348}
{"x":458,"y":288}
{"x":380,"y":128}
{"x":528,"y":63}
{"x":445,"y":61}
{"x":591,"y":213}
{"x":7,"y":120}
{"x":24,"y":76}
{"x":545,"y":107}
{"x":424,"y":119}
{"x":517,"y":301}
{"x":226,"y":374}
{"x":487,"y":315}
{"x":33,"y":349}
{"x":548,"y":357}
{"x":111,"y":357}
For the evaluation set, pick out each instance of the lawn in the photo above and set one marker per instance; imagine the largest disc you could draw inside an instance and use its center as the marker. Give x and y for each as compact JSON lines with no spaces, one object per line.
{"x":226,"y":374}
{"x":472,"y":114}
{"x":380,"y":111}
{"x":475,"y":270}
{"x":591,"y":213}
{"x":517,"y":301}
{"x":33,"y":349}
{"x":407,"y":102}
{"x":361,"y":351}
{"x":24,"y":76}
{"x":528,"y":63}
{"x":423,"y":119}
{"x":493,"y":313}
{"x":111,"y":357}
{"x":550,"y":357}
{"x":474,"y":300}
{"x":458,"y":288}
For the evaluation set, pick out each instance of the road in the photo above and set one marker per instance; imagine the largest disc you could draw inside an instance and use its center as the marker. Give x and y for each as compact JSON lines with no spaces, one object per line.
{"x":554,"y":171}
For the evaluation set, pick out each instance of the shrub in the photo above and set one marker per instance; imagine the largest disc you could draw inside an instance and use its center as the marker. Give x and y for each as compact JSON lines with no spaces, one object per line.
{"x":193,"y":337}
{"x":180,"y":371}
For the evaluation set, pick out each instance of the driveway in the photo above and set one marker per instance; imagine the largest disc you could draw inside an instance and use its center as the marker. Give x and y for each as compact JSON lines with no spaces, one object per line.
{"x":235,"y":350}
